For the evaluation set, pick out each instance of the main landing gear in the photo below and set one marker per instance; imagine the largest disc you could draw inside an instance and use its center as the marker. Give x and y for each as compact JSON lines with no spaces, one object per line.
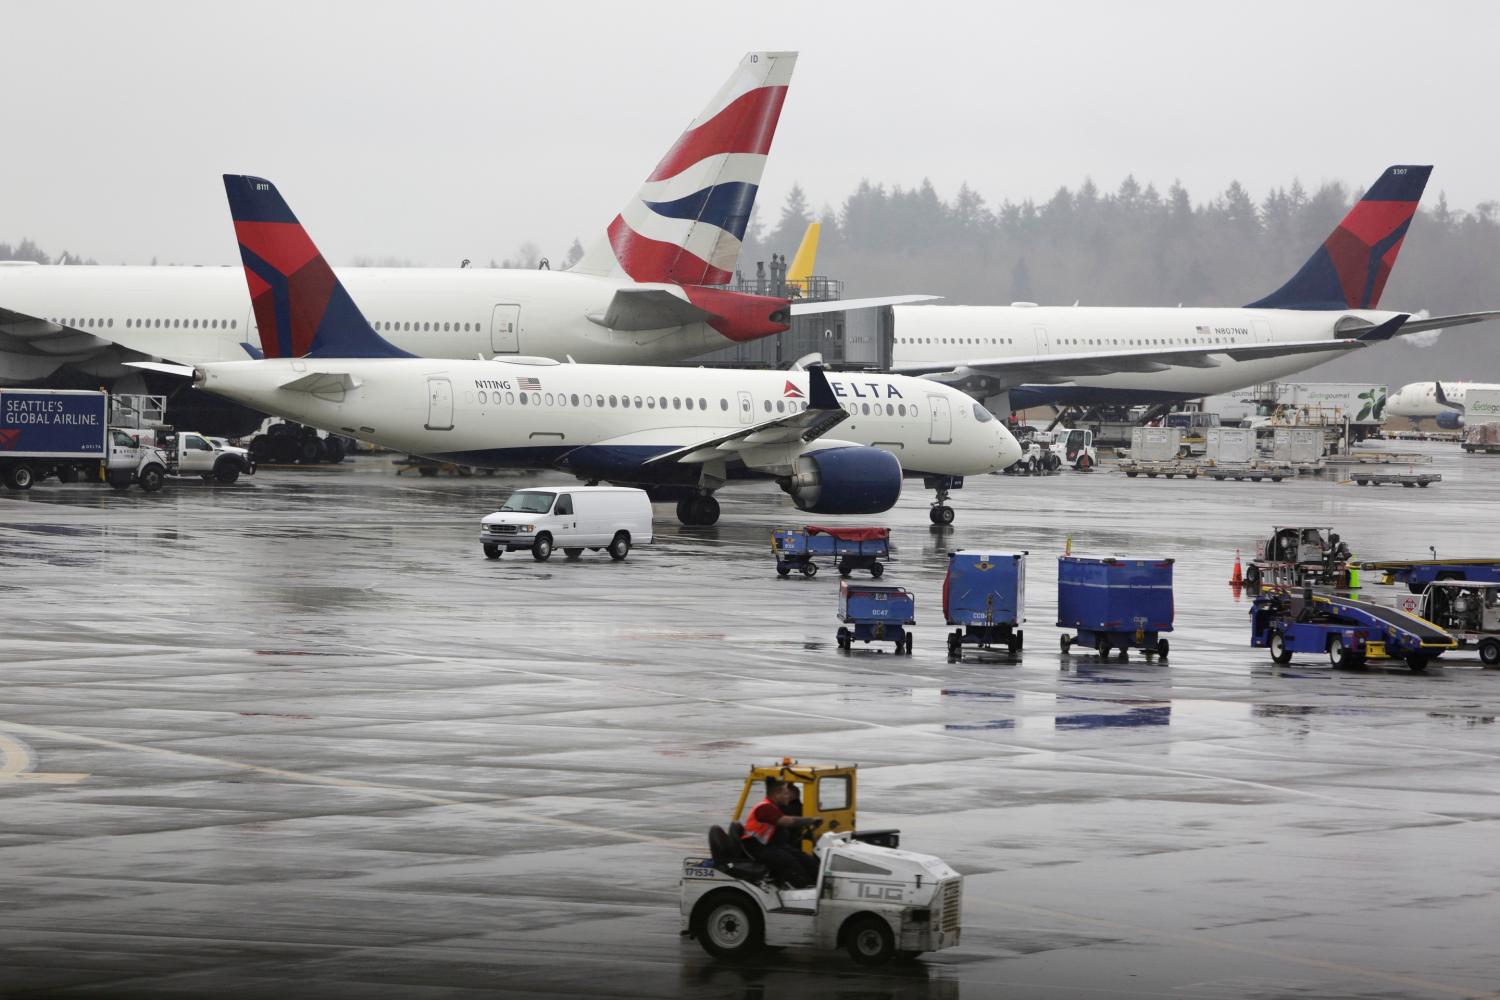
{"x":940,"y":513}
{"x":701,"y":510}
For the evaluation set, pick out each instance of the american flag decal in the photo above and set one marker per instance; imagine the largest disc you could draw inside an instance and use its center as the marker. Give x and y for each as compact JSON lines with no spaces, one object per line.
{"x":1203,"y":331}
{"x":529,"y":384}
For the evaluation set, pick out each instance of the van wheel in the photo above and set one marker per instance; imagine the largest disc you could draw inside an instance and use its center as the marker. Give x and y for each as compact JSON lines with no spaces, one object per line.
{"x":152,"y":477}
{"x":19,"y":476}
{"x":541,"y":549}
{"x":869,"y":940}
{"x":619,"y":546}
{"x":728,"y":925}
{"x":572,"y":553}
{"x":1489,"y":652}
{"x":491,"y":551}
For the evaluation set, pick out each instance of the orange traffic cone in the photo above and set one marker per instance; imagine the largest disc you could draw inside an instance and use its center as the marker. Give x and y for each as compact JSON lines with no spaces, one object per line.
{"x":1237,"y":579}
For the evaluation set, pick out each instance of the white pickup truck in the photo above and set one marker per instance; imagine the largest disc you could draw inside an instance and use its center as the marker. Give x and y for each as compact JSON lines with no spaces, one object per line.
{"x":192,"y":454}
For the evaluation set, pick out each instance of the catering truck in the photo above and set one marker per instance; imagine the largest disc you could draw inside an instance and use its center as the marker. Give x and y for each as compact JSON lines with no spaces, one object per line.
{"x":65,"y":433}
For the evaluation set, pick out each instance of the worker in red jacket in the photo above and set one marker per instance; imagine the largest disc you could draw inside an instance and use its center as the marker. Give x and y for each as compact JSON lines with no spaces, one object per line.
{"x":768,"y":836}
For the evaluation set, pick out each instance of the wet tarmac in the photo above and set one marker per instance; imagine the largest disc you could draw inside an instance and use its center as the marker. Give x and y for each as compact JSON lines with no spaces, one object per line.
{"x":297,"y":737}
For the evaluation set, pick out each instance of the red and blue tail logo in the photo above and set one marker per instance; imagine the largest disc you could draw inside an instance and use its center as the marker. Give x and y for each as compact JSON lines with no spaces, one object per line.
{"x":300,"y":307}
{"x":1350,"y":269}
{"x":687,"y":222}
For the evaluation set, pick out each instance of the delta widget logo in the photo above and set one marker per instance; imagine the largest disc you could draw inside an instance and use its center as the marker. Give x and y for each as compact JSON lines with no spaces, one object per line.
{"x":10,"y":437}
{"x":792,"y":392}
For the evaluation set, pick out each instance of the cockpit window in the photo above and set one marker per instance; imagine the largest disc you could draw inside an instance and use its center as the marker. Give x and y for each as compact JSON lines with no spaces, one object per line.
{"x":529,"y":503}
{"x":982,"y":415}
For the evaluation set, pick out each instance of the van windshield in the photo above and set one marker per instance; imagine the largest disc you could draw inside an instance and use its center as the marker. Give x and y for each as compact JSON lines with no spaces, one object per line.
{"x":529,"y":503}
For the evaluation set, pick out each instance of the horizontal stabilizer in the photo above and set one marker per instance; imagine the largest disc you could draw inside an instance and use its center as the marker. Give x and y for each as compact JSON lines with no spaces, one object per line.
{"x":849,"y":305}
{"x":634,"y":309}
{"x":1444,"y":322}
{"x":185,"y":371}
{"x":322,"y":383}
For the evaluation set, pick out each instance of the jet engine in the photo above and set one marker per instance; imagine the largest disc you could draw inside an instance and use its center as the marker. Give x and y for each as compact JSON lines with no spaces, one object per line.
{"x":1450,"y":420}
{"x":853,"y":480}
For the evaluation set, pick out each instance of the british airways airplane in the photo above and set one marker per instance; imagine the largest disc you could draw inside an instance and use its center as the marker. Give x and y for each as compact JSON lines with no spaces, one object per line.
{"x":1027,"y":355}
{"x":646,"y":292}
{"x":681,"y":432}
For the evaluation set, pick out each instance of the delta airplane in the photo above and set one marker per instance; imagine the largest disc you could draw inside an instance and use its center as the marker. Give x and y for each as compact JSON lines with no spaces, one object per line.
{"x":678,"y":431}
{"x":1444,"y":402}
{"x":645,"y":292}
{"x":1025,"y":355}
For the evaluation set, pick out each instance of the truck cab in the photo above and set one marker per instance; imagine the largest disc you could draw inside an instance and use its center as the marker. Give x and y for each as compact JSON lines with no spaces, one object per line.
{"x":1467,"y":610}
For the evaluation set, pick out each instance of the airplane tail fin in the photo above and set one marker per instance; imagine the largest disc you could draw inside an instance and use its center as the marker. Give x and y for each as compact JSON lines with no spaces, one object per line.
{"x":805,"y":259}
{"x":1350,"y":269}
{"x":687,"y":222}
{"x":301,"y":308}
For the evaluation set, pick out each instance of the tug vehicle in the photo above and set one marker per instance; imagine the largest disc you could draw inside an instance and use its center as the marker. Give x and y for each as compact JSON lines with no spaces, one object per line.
{"x":872,"y":899}
{"x":1296,"y":556}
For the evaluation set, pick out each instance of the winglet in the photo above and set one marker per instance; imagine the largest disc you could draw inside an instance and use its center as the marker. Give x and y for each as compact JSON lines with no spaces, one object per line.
{"x":1386,"y":330}
{"x":819,"y":392}
{"x":301,"y":308}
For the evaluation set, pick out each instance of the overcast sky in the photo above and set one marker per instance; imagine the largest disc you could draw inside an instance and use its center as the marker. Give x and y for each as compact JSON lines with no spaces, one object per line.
{"x":435,"y":131}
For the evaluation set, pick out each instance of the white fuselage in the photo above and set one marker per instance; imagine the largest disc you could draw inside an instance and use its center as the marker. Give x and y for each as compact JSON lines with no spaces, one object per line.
{"x":608,"y":419}
{"x":1419,"y":399}
{"x":969,"y":333}
{"x":191,"y":315}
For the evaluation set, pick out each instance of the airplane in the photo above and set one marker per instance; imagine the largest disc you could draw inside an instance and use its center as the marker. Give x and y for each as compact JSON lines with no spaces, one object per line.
{"x":647,"y":291}
{"x":1442,"y":401}
{"x":1024,"y":355}
{"x":680,"y":432}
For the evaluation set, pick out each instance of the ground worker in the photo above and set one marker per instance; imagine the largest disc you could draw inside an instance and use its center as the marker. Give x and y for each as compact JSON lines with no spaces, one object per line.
{"x":768,"y":839}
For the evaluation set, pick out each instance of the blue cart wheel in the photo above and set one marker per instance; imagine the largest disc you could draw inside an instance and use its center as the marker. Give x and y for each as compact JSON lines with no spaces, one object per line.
{"x":1066,"y":643}
{"x":783,"y":570}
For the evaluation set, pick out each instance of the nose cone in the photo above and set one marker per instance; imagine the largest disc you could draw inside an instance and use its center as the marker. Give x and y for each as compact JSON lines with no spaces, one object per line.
{"x":1007,"y":447}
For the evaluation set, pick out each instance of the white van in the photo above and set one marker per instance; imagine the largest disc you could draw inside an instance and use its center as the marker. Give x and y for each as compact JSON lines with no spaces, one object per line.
{"x":581,"y":517}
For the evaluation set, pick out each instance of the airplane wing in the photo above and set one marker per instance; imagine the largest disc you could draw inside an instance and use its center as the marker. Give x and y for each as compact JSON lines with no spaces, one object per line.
{"x":634,"y":309}
{"x":1052,"y":368}
{"x":823,"y":413}
{"x":848,"y":305}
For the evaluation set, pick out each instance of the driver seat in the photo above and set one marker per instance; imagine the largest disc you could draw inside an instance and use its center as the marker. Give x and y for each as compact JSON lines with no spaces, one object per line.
{"x":730,"y":857}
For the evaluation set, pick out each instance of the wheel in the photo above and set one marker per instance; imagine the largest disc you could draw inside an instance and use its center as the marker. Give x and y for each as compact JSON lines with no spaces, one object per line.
{"x":572,"y":553}
{"x":728,"y":925}
{"x":783,"y":570}
{"x":1417,"y":662}
{"x":1277,"y":645}
{"x":809,"y":569}
{"x":261,"y":449}
{"x":227,"y":473}
{"x":427,"y":470}
{"x":492,"y":551}
{"x":708,"y":511}
{"x":844,"y":637}
{"x":1275,"y":479}
{"x":1423,"y":483}
{"x":310,"y":449}
{"x":1193,"y":474}
{"x":955,"y":646}
{"x":1252,"y":575}
{"x":869,"y":940}
{"x":152,"y":477}
{"x":1150,"y":475}
{"x":1489,"y":652}
{"x":908,"y":643}
{"x":1103,"y":652}
{"x":1218,"y":479}
{"x":334,"y":450}
{"x":1124,"y":653}
{"x":19,"y":476}
{"x":1162,"y":646}
{"x":1014,"y":643}
{"x":1066,"y":642}
{"x":1409,"y":485}
{"x":1085,"y":463}
{"x":67,"y":474}
{"x":120,"y":484}
{"x":1132,"y":474}
{"x":1339,"y":654}
{"x":541,"y":549}
{"x":685,"y":510}
{"x":877,"y":570}
{"x":619,"y":546}
{"x":941,"y":514}
{"x":1171,"y":475}
{"x":844,"y":569}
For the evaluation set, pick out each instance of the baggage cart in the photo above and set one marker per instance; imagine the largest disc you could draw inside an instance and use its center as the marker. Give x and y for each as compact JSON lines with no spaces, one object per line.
{"x":1115,"y":603}
{"x":984,"y":594}
{"x":854,"y":548}
{"x":872,"y":613}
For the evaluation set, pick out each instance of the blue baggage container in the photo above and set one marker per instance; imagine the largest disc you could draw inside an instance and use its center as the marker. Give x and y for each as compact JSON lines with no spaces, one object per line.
{"x":854,"y":548}
{"x":985,"y":594}
{"x":876,"y":614}
{"x":1115,"y":603}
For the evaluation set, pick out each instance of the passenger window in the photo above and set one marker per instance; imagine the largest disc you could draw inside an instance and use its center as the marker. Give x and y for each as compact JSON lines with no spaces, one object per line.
{"x":833,"y":794}
{"x":564,"y":505}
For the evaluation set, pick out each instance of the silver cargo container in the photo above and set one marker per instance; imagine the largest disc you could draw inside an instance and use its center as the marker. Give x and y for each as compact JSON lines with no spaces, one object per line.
{"x":1298,"y":445}
{"x":1155,"y":444}
{"x":1231,"y":446}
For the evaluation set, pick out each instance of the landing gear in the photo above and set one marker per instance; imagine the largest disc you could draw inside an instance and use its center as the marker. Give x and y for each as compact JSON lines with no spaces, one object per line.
{"x":940,"y":513}
{"x":702,"y":510}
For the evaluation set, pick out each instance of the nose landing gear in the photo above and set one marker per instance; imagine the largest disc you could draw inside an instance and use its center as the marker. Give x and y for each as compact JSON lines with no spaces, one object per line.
{"x":701,"y":510}
{"x":940,"y":513}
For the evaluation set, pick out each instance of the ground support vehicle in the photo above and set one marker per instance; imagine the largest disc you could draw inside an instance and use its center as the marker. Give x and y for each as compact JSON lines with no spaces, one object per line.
{"x":854,"y":548}
{"x":1115,"y":603}
{"x":541,"y":520}
{"x":984,"y":593}
{"x":1170,"y":469}
{"x":283,"y":442}
{"x":1349,"y":631}
{"x":1407,"y":479}
{"x":1254,"y":472}
{"x":1467,"y":610}
{"x":875,"y":614}
{"x":1418,"y":573}
{"x":191,"y":454}
{"x":1482,"y":438}
{"x":65,"y":433}
{"x":872,"y":898}
{"x":1037,"y":458}
{"x":1293,"y":557}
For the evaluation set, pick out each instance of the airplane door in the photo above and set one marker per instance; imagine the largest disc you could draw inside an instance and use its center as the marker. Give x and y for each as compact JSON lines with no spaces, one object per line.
{"x":439,"y":404}
{"x":1262,"y":331}
{"x":942,"y":420}
{"x":505,"y":330}
{"x":1043,"y":340}
{"x":747,"y":408}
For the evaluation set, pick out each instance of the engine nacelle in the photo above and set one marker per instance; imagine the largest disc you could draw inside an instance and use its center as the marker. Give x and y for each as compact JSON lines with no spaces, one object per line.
{"x":853,"y":480}
{"x":1450,"y":420}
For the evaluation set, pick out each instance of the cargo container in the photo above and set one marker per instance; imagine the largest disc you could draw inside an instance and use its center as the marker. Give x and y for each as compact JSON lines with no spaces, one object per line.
{"x":1231,"y":446}
{"x":984,"y":593}
{"x":1115,"y":603}
{"x":1298,"y":445}
{"x":1156,"y":444}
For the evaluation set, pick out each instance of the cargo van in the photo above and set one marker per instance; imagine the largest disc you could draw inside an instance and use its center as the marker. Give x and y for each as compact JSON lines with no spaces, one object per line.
{"x":581,"y":517}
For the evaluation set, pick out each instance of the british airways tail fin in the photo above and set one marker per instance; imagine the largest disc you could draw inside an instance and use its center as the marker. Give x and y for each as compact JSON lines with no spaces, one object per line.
{"x":1350,"y":269}
{"x":687,"y":222}
{"x":301,"y":308}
